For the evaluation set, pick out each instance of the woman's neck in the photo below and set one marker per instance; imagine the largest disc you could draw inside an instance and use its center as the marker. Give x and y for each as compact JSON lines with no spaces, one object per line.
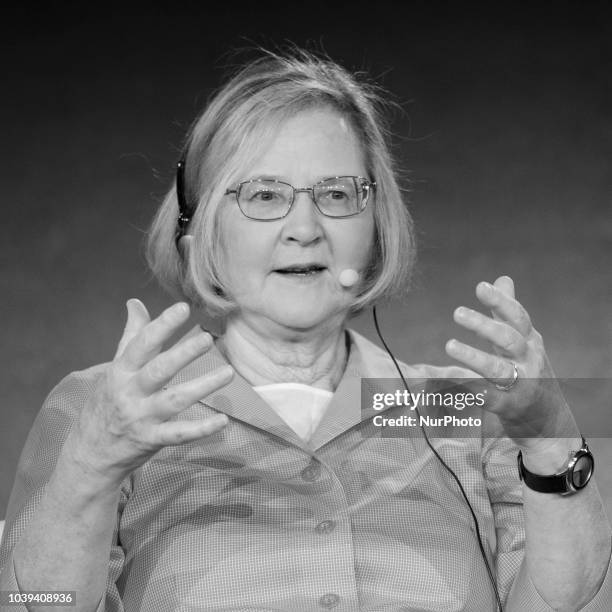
{"x":312,"y":359}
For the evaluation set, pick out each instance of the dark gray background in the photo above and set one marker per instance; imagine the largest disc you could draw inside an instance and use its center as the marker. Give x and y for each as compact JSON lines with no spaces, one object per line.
{"x":506,"y":133}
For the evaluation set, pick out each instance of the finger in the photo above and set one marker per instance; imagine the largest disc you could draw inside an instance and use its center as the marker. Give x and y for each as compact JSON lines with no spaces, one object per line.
{"x":149,"y":340}
{"x":503,"y":336}
{"x":496,"y":369}
{"x":504,"y":307}
{"x":181,"y":432}
{"x":506,"y":285}
{"x":137,"y":318}
{"x":173,"y":400}
{"x":162,"y":368}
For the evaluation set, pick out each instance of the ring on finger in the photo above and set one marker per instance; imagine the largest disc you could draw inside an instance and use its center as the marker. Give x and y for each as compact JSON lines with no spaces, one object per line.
{"x":508,"y":386}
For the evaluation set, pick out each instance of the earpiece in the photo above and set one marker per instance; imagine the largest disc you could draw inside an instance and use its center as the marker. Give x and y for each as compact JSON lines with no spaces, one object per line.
{"x":183,"y":245}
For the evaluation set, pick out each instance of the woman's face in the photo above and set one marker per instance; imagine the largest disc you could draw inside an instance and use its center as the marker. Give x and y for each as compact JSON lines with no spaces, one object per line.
{"x":313,"y":145}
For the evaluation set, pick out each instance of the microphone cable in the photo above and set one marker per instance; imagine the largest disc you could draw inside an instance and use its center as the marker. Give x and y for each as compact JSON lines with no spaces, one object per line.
{"x":446,"y":467}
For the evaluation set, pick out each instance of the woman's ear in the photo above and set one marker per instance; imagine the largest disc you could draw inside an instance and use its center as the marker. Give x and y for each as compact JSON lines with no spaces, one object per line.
{"x":184,"y":245}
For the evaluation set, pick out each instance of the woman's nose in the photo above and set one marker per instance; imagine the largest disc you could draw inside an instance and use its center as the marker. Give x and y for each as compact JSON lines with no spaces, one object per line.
{"x":303,"y":223}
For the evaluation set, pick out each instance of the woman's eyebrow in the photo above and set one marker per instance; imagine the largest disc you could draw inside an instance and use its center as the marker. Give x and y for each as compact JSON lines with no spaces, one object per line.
{"x":256,"y":176}
{"x":285,"y":179}
{"x":269,"y":177}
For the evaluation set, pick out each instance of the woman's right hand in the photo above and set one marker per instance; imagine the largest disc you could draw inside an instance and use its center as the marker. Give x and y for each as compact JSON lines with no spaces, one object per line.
{"x":126,"y":420}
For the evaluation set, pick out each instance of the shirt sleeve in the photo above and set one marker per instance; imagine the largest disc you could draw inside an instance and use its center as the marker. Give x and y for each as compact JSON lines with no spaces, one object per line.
{"x":516,"y":589}
{"x":36,"y":464}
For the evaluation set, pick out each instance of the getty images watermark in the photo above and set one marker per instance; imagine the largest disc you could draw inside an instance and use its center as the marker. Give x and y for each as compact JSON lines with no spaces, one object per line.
{"x":461,"y":407}
{"x":444,"y":408}
{"x":424,"y":401}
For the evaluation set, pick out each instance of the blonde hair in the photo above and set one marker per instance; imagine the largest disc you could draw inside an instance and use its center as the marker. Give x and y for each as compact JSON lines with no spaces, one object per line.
{"x":228,"y":136}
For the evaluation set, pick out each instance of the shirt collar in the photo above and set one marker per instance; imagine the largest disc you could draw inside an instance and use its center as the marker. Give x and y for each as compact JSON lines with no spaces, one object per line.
{"x":365,"y":360}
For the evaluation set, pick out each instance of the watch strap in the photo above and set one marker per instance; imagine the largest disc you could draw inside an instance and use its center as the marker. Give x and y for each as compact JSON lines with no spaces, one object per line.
{"x":556,"y":483}
{"x":561,"y":483}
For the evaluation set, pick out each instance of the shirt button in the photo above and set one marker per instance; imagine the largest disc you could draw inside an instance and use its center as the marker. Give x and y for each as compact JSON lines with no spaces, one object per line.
{"x":325,"y":527}
{"x":329,"y":600}
{"x":311,"y":472}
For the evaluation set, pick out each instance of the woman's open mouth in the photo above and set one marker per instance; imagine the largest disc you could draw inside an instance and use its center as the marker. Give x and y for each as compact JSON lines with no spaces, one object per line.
{"x":303,"y":271}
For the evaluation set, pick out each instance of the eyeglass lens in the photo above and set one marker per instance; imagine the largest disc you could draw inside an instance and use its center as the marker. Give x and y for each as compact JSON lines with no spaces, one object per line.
{"x":338,"y":197}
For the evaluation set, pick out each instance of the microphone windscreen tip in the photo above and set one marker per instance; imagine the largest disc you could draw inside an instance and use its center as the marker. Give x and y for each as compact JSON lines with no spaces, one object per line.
{"x":348,"y":277}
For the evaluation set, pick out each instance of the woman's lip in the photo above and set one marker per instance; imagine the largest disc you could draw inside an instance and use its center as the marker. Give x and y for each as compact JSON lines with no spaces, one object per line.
{"x":298,"y":273}
{"x":300,"y":269}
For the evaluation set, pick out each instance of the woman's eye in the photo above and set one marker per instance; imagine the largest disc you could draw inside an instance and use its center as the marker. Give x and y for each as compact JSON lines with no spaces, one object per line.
{"x":338,"y":195}
{"x":264,"y":196}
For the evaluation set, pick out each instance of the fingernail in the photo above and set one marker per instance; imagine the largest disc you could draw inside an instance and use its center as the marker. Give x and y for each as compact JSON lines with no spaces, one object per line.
{"x":451,"y":345}
{"x":461,"y":312}
{"x":220,"y":419}
{"x":181,"y":308}
{"x":205,"y":338}
{"x":226,"y":371}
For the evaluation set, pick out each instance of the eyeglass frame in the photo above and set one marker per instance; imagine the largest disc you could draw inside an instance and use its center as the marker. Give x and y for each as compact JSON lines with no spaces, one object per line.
{"x":186,"y":211}
{"x":366,"y":183}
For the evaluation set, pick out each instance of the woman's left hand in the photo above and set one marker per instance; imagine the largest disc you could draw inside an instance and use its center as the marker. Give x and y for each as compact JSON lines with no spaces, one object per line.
{"x":533,"y":408}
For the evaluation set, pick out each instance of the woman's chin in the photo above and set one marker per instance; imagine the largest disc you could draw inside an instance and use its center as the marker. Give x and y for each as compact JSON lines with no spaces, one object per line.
{"x":302,"y":318}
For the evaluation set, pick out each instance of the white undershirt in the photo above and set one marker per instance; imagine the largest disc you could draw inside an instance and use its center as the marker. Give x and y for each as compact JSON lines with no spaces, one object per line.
{"x":301,"y":406}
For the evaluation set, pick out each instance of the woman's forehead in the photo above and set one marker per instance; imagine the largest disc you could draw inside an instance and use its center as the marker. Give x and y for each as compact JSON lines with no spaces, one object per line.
{"x":319,"y":120}
{"x":317,"y":143}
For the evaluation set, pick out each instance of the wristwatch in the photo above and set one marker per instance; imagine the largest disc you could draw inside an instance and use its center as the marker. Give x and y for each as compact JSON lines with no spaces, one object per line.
{"x":577,"y":475}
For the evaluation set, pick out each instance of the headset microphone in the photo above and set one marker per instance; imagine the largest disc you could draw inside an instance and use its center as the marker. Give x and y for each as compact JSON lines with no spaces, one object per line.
{"x":348,"y":277}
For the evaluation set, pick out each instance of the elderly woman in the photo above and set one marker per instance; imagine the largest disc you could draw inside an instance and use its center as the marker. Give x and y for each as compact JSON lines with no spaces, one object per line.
{"x":239,"y":472}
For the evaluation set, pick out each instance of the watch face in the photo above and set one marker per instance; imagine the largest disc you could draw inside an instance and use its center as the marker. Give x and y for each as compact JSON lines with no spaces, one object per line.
{"x":582,"y":471}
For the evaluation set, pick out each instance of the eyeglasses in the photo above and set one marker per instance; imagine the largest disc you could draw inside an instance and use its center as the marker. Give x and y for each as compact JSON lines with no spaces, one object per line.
{"x":337,"y":197}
